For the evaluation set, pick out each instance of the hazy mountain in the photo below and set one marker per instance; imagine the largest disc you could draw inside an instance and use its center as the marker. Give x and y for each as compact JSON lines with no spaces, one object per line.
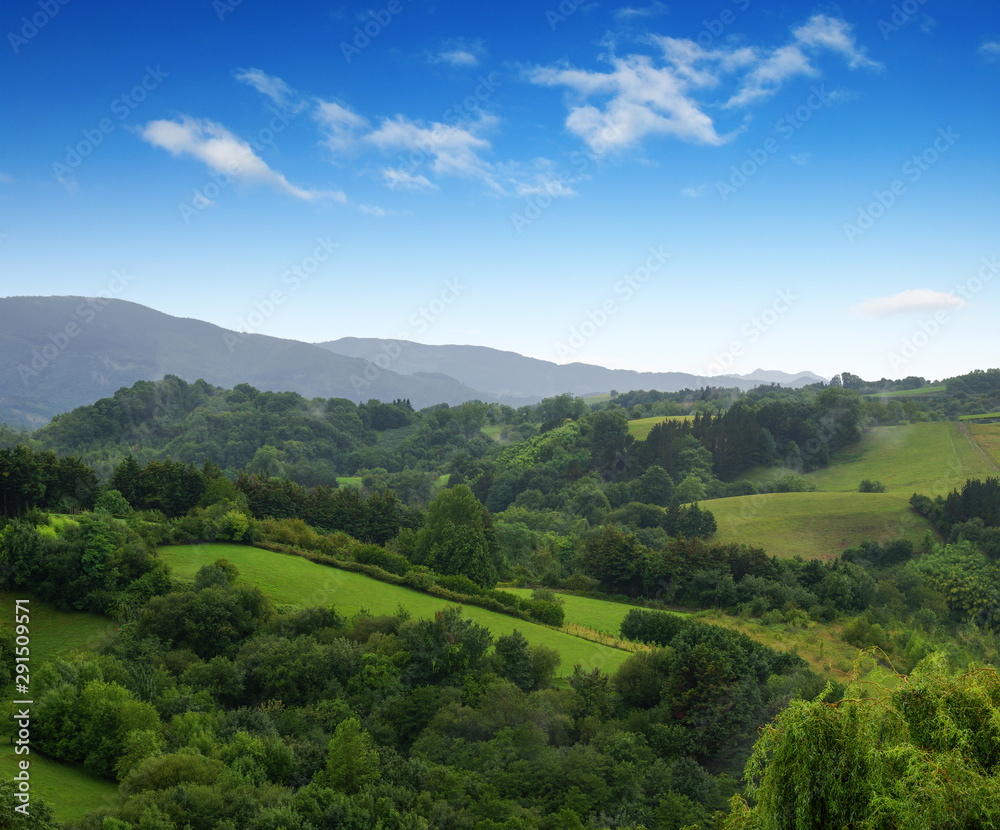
{"x":57,"y":353}
{"x":506,"y":375}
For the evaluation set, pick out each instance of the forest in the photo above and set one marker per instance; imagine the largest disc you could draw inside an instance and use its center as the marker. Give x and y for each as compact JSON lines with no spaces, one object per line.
{"x":213,"y":706}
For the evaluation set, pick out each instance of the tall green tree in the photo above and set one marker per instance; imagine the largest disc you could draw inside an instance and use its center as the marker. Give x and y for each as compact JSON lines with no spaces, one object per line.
{"x":458,"y":537}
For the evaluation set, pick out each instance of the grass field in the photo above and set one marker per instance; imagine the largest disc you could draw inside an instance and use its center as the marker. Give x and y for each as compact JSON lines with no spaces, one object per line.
{"x":599,"y":615}
{"x":641,"y":427}
{"x":55,"y":633}
{"x":909,"y":393}
{"x":979,"y":417}
{"x":931,"y":458}
{"x":293,"y":580}
{"x":70,"y":790}
{"x":349,"y":481}
{"x":988,"y":438}
{"x":812,"y":525}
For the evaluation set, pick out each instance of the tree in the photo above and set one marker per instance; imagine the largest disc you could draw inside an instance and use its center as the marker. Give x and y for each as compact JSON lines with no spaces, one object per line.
{"x":924,"y":754}
{"x":614,"y":558}
{"x":114,"y":503}
{"x":351,"y":761}
{"x":458,"y":537}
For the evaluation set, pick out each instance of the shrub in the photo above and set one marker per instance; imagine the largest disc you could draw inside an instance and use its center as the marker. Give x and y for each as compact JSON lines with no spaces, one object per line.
{"x":869,"y":486}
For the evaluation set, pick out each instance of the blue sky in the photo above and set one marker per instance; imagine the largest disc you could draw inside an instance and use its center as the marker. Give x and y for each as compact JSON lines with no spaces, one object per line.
{"x":701,"y":187}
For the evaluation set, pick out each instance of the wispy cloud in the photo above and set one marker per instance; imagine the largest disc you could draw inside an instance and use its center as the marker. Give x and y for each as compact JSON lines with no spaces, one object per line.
{"x":990,"y":50}
{"x":694,"y":192}
{"x":643,"y":95}
{"x":460,"y":52}
{"x":215,"y":146}
{"x":654,"y":9}
{"x":801,"y":158}
{"x":341,"y":126}
{"x":274,"y":88}
{"x":917,"y":299}
{"x":400,"y":179}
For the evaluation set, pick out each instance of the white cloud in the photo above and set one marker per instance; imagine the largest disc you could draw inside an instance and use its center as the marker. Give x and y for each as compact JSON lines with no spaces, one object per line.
{"x":918,"y":299}
{"x":694,"y":192}
{"x":341,"y":126}
{"x":655,"y":9}
{"x":459,"y":57}
{"x":773,"y":69}
{"x":834,"y":34}
{"x":274,"y":88}
{"x":801,"y":158}
{"x":375,"y":210}
{"x":223,"y":152}
{"x":645,"y":96}
{"x":396,"y":178}
{"x":460,"y":52}
{"x":644,"y":100}
{"x":990,"y":50}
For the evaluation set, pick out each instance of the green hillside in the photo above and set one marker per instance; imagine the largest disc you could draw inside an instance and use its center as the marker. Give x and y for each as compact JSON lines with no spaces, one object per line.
{"x":641,"y":427}
{"x":296,"y":581}
{"x":811,"y":525}
{"x":932,"y":458}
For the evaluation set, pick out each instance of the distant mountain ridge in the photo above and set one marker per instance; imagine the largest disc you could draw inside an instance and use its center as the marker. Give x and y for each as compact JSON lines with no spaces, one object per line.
{"x":58,"y":353}
{"x":503,"y":374}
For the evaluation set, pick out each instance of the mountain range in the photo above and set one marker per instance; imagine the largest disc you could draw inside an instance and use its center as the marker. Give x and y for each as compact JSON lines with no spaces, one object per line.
{"x":57,"y":353}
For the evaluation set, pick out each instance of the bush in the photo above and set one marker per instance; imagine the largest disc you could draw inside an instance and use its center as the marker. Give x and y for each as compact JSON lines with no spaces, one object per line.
{"x":374,"y":555}
{"x":459,"y":584}
{"x":869,"y":486}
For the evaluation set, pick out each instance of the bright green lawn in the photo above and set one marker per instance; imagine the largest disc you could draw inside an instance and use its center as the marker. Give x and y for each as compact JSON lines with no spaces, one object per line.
{"x":909,"y":393}
{"x":930,"y":458}
{"x":641,"y":427}
{"x":296,"y":581}
{"x":70,"y":790}
{"x":349,"y":481}
{"x":55,"y":633}
{"x":977,"y":417}
{"x":988,"y":437}
{"x":597,"y":614}
{"x":811,"y":525}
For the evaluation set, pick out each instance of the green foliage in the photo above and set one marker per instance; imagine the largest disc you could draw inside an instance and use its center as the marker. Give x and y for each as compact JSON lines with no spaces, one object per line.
{"x":922,"y":755}
{"x":113,"y":502}
{"x":458,"y":537}
{"x":869,"y":486}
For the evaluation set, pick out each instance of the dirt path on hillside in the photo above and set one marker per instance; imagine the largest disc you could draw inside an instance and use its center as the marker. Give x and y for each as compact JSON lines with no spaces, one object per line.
{"x":977,"y":448}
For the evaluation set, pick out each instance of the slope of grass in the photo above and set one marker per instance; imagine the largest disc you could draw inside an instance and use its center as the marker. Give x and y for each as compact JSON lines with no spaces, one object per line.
{"x":56,"y":633}
{"x":641,"y":427}
{"x":909,"y":393}
{"x":988,"y":438}
{"x":295,"y":581}
{"x":812,"y":525}
{"x":930,"y":458}
{"x":70,"y":790}
{"x":597,"y":614}
{"x":979,"y":417}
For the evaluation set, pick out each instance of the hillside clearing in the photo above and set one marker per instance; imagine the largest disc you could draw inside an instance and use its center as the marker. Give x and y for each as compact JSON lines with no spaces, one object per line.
{"x":813,"y":525}
{"x":641,"y":427}
{"x":296,"y":581}
{"x":987,"y":436}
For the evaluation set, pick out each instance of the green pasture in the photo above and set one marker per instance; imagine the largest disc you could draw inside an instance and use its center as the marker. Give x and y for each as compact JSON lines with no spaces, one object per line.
{"x":641,"y":427}
{"x":294,"y":580}
{"x":813,"y":525}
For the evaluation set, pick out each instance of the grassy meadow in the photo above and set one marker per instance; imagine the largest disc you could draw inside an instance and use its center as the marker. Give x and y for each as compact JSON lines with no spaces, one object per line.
{"x":641,"y":427}
{"x":292,"y":580}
